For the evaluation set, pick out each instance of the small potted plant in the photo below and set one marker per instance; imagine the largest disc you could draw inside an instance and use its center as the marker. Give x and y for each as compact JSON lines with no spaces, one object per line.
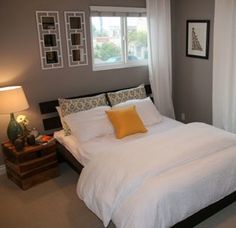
{"x":24,"y":122}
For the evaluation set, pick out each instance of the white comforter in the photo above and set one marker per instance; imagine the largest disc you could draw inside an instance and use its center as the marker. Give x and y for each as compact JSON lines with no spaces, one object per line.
{"x":160,"y":180}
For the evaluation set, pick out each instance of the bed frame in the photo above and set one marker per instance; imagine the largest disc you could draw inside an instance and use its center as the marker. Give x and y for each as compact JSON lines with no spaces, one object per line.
{"x":53,"y":123}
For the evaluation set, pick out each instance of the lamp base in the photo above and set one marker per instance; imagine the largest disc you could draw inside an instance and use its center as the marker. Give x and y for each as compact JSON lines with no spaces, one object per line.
{"x":14,"y":129}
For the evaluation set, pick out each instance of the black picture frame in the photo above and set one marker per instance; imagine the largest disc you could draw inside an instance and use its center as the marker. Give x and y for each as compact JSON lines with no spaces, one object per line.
{"x":50,"y":40}
{"x":75,"y":38}
{"x":48,"y":23}
{"x":51,"y":57}
{"x":76,"y":55}
{"x":75,"y":22}
{"x":197,"y":38}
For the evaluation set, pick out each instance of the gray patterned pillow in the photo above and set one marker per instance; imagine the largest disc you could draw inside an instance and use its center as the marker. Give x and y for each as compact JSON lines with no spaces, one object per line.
{"x":69,"y":106}
{"x":127,"y":94}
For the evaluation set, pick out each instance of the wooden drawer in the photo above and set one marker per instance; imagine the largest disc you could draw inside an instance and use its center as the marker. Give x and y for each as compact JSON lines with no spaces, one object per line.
{"x":37,"y":154}
{"x":32,"y":172}
{"x":32,"y":164}
{"x":28,"y":154}
{"x":34,"y":180}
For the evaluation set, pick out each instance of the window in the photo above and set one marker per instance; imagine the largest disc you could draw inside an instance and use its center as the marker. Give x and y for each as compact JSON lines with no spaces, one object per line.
{"x":119,"y":37}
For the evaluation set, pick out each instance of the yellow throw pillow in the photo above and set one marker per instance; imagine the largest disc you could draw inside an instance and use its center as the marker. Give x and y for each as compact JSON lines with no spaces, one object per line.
{"x":126,"y":121}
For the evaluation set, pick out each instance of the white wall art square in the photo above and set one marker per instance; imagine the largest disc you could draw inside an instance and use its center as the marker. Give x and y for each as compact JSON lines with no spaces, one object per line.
{"x":76,"y":38}
{"x":49,"y":39}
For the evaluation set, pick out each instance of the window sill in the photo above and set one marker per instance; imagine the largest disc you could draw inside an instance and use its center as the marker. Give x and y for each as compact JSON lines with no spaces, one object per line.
{"x":118,"y":66}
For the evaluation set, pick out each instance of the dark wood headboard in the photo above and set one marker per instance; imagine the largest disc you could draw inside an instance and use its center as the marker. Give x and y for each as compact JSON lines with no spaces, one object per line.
{"x":49,"y":107}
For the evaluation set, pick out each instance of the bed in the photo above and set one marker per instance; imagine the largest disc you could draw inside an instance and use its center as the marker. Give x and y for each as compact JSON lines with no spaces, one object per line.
{"x":80,"y":155}
{"x":84,"y":152}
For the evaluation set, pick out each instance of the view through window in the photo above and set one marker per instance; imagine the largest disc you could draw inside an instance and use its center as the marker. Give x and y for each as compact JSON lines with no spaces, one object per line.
{"x":119,"y":41}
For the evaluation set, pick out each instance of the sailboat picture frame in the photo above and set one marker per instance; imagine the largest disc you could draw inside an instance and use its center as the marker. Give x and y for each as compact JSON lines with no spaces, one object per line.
{"x":197,"y":38}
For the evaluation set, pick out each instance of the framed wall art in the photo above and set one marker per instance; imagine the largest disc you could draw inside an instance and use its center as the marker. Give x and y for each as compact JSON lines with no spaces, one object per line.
{"x":197,"y":38}
{"x":76,"y":38}
{"x":49,"y":39}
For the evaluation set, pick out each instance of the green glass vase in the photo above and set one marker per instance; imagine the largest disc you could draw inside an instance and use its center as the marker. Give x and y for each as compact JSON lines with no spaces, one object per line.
{"x":14,"y":129}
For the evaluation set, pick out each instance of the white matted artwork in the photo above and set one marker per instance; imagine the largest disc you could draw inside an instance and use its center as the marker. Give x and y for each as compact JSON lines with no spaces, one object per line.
{"x":76,"y":38}
{"x":49,"y":37}
{"x":197,"y":40}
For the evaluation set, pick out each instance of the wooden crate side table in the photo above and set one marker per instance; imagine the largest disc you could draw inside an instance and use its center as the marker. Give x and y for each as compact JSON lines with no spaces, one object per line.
{"x":31,"y":166}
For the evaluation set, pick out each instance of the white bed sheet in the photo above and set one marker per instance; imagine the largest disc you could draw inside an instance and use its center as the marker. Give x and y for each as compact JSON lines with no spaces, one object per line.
{"x":84,"y":151}
{"x":164,"y":178}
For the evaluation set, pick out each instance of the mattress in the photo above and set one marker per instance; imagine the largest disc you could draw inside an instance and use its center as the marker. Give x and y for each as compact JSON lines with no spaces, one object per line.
{"x":84,"y":151}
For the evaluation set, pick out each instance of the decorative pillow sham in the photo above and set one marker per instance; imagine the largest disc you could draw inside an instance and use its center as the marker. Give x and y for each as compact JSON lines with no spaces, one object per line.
{"x":126,"y":94}
{"x":146,"y":110}
{"x":61,"y":118}
{"x":126,"y":121}
{"x":86,"y":125}
{"x":69,"y":106}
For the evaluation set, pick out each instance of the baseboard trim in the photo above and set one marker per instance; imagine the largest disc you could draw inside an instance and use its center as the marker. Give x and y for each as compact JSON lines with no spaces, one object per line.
{"x":2,"y":169}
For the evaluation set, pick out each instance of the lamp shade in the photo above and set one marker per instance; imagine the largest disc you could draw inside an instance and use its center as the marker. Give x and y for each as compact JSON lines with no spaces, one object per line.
{"x":12,"y":99}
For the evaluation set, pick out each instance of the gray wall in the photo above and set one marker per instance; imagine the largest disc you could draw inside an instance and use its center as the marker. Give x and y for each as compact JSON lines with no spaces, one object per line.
{"x":192,"y":77}
{"x":20,"y":60}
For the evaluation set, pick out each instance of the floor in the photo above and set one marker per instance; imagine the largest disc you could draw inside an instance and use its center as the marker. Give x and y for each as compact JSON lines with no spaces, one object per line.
{"x":55,"y":204}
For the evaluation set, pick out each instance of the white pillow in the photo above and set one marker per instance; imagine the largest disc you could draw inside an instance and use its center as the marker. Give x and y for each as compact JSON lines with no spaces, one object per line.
{"x":146,"y":110}
{"x":86,"y":125}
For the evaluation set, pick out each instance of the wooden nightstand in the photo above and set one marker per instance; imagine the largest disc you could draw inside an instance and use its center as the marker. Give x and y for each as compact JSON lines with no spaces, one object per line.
{"x":32,"y":165}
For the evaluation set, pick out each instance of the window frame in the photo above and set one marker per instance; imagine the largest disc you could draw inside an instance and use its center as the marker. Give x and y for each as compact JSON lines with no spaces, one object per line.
{"x":124,"y":46}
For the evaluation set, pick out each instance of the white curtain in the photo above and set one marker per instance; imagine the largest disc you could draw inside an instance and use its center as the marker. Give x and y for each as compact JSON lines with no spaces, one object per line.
{"x":160,"y":71}
{"x":224,"y":65}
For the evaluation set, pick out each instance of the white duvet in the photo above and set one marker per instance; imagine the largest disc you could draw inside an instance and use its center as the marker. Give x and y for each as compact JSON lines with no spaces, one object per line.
{"x":161,"y":179}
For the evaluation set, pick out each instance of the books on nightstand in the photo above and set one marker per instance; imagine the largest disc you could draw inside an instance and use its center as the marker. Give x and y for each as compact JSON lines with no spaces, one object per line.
{"x":44,"y":139}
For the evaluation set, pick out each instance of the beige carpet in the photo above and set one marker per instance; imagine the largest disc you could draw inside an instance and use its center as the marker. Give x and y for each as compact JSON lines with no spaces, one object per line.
{"x":55,"y":204}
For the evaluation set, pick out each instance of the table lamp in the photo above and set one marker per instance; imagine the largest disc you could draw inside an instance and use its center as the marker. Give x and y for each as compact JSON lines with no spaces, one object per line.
{"x":12,"y":99}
